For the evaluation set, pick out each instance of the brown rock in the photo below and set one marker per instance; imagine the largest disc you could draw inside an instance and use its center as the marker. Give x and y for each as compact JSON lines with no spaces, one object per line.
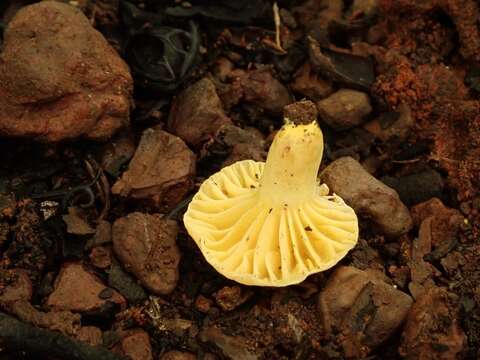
{"x":136,"y":345}
{"x":197,"y":113}
{"x":161,"y":171}
{"x":368,"y":196}
{"x":203,"y":304}
{"x":310,"y":84}
{"x":59,"y":78}
{"x":432,"y":331}
{"x":363,"y":307}
{"x":240,"y":144}
{"x":145,"y":244}
{"x":19,"y":289}
{"x":78,"y":290}
{"x":233,"y":347}
{"x":101,"y":257}
{"x":178,"y":355}
{"x":231,"y":297}
{"x":264,"y":91}
{"x":90,"y":335}
{"x":344,"y":109}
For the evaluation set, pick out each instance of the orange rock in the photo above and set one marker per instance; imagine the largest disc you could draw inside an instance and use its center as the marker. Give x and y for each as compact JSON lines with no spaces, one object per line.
{"x":59,"y":78}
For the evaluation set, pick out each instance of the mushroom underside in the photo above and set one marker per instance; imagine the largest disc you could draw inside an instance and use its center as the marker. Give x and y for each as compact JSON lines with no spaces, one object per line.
{"x":249,"y":241}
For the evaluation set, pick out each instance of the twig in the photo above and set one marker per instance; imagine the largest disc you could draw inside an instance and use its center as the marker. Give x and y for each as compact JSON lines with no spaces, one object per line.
{"x":277,"y":20}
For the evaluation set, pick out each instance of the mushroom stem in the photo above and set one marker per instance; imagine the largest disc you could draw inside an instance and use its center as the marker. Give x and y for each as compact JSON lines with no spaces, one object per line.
{"x":290,"y":173}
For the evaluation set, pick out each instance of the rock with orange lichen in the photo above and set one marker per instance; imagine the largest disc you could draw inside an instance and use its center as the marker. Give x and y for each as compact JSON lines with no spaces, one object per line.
{"x":59,"y":78}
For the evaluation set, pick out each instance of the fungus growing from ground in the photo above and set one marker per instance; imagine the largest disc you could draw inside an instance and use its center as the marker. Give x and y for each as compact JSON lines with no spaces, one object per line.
{"x":273,"y":224}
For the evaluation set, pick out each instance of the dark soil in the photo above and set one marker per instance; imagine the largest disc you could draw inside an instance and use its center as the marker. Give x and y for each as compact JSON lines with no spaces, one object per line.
{"x":400,"y":53}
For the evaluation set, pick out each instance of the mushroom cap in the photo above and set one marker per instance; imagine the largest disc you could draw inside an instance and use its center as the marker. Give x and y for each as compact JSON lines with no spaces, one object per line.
{"x":249,"y":240}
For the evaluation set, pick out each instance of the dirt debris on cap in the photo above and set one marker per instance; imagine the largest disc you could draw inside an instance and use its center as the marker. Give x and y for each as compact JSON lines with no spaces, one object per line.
{"x":146,"y":246}
{"x":301,"y":112}
{"x":160,"y":173}
{"x":367,"y":195}
{"x":64,"y":82}
{"x":66,"y":295}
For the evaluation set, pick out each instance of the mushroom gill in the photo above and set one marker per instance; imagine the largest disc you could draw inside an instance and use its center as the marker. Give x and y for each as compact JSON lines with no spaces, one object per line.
{"x":273,"y":224}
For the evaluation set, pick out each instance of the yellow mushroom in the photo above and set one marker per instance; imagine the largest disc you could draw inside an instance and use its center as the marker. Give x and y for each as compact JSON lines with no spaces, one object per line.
{"x":273,"y":224}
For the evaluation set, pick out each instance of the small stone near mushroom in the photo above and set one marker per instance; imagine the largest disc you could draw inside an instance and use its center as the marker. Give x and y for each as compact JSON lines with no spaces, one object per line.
{"x":368,"y":196}
{"x":146,"y":245}
{"x":363,"y":307}
{"x":231,"y":297}
{"x":64,"y":81}
{"x":197,"y":113}
{"x":161,"y":171}
{"x":344,"y":109}
{"x":203,"y":304}
{"x":264,"y":91}
{"x":78,"y":290}
{"x":432,"y":330}
{"x":310,"y":84}
{"x":238,"y":143}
